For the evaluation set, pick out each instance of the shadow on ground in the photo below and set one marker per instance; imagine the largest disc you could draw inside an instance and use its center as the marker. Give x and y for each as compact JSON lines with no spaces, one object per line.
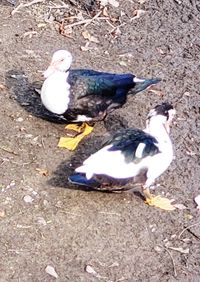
{"x":24,"y":93}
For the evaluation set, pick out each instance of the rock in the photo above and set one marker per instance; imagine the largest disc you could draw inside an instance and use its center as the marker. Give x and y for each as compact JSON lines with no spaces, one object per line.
{"x":2,"y":213}
{"x":19,"y":119}
{"x":28,"y":199}
{"x":41,"y":221}
{"x":51,"y":271}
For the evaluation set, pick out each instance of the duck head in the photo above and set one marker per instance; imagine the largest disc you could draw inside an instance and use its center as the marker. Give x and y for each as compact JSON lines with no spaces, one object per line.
{"x":61,"y":61}
{"x":162,"y":114}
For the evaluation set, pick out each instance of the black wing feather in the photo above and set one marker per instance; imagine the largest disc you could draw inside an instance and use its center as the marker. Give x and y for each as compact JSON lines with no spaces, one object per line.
{"x":128,"y":140}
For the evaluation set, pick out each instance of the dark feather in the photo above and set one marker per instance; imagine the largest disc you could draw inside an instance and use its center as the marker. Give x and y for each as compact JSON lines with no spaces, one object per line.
{"x":94,"y":94}
{"x":107,"y":183}
{"x":128,"y":140}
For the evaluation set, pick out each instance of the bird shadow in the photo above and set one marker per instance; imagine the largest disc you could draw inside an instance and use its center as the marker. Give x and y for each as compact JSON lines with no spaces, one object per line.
{"x":114,"y":122}
{"x":66,"y":168}
{"x":23,"y":92}
{"x":87,"y":147}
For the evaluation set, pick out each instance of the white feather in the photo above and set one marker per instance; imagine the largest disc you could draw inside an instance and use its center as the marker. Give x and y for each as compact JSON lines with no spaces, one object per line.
{"x":136,"y":79}
{"x":55,"y":92}
{"x":140,"y":150}
{"x":83,"y":118}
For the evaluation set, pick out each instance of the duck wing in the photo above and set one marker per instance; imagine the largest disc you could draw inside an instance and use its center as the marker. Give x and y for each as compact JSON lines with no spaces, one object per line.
{"x":135,"y":144}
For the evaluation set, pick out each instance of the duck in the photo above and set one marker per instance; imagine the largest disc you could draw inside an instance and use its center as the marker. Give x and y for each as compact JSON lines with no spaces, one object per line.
{"x":132,"y":156}
{"x":83,"y":97}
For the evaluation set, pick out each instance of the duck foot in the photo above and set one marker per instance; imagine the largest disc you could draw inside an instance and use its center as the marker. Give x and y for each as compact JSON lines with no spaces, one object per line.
{"x":158,"y":201}
{"x":80,"y":131}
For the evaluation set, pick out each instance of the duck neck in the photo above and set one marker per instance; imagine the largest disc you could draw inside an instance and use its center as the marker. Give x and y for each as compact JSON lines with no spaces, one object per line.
{"x":155,"y":126}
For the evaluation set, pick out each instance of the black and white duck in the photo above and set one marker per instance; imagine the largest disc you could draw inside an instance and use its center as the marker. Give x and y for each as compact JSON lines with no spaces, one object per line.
{"x":85,"y":96}
{"x":132,"y":156}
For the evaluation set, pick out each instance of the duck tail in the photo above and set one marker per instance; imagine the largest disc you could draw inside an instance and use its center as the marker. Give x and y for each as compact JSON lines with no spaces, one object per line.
{"x":80,"y":179}
{"x":143,"y":83}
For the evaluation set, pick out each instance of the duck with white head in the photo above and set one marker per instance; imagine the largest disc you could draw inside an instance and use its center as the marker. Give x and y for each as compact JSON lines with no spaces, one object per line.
{"x":84,"y":95}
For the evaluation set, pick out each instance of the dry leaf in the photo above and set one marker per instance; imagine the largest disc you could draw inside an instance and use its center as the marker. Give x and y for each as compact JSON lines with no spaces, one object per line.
{"x":90,"y":270}
{"x":105,"y":12}
{"x":122,"y":63}
{"x":42,"y":171}
{"x":65,"y":30}
{"x":137,"y":14}
{"x":51,"y":271}
{"x":114,"y":3}
{"x":41,"y":25}
{"x":180,"y":206}
{"x":188,"y":216}
{"x":29,"y":34}
{"x":104,"y":2}
{"x":160,"y":51}
{"x":84,"y":48}
{"x":89,"y":37}
{"x":155,"y":91}
{"x":161,"y":202}
{"x":180,"y":250}
{"x":2,"y":87}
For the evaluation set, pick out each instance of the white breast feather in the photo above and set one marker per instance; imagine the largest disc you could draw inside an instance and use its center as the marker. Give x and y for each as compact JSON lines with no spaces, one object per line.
{"x":55,"y":93}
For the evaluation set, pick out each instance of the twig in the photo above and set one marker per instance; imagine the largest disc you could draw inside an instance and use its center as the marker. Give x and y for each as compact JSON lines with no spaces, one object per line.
{"x":95,"y":17}
{"x":78,"y":23}
{"x":86,"y":22}
{"x":8,"y":150}
{"x":120,"y":25}
{"x":25,"y":5}
{"x":63,"y":5}
{"x":110,"y":213}
{"x":174,"y":268}
{"x":109,"y":23}
{"x":188,"y":228}
{"x":42,"y":141}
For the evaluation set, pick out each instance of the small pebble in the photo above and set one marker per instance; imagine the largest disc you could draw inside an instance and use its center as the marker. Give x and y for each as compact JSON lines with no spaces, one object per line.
{"x":28,"y":135}
{"x":2,"y":213}
{"x":41,"y":221}
{"x":158,"y":249}
{"x":19,"y":119}
{"x":28,"y":199}
{"x":197,"y":201}
{"x":51,"y":271}
{"x":45,"y":202}
{"x":90,"y":270}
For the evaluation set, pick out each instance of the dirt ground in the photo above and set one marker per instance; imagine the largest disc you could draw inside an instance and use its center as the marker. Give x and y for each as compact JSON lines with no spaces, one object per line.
{"x":46,"y":222}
